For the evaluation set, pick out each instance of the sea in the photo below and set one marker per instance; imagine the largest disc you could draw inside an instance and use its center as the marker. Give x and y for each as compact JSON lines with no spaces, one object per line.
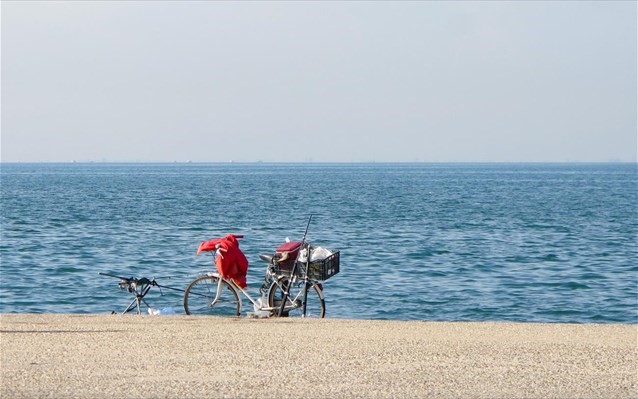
{"x":523,"y":242}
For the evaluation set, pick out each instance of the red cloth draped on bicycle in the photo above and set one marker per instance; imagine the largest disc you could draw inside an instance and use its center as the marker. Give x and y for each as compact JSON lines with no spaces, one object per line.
{"x":231,"y":262}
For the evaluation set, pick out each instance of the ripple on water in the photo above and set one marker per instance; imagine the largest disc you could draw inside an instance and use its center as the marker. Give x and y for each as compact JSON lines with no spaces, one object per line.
{"x":418,"y":241}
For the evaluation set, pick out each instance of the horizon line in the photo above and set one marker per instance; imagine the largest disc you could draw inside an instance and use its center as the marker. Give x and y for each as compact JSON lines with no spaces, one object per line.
{"x":317,"y":162}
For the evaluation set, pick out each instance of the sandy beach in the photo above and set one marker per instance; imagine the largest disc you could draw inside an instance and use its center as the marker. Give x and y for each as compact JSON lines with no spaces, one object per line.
{"x":115,"y":356}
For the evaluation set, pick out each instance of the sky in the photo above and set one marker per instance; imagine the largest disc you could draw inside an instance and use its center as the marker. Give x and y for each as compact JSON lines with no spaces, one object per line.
{"x":431,"y":81}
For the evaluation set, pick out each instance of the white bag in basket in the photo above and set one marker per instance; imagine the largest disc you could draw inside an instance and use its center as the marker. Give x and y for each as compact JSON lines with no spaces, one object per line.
{"x":319,"y":253}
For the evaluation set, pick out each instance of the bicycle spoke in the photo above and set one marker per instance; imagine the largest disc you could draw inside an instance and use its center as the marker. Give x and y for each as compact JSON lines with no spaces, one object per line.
{"x":199,"y":298}
{"x":315,"y":305}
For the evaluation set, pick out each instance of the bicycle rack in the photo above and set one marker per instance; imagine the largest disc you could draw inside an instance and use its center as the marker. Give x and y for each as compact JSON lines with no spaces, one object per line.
{"x":139,"y":288}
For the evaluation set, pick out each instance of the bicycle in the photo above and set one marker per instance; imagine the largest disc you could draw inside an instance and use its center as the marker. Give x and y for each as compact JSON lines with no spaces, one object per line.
{"x":213,"y":294}
{"x":291,"y":287}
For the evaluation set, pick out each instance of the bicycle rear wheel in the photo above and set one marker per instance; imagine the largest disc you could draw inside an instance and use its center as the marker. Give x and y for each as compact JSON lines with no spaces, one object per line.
{"x":200,"y":294}
{"x":315,"y":305}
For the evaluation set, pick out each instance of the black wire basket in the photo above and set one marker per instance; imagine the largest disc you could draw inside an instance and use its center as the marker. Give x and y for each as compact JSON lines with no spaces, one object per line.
{"x":318,"y":270}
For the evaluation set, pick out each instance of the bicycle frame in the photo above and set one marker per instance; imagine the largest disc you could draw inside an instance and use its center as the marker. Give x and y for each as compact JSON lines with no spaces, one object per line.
{"x":237,"y":289}
{"x":261,"y":306}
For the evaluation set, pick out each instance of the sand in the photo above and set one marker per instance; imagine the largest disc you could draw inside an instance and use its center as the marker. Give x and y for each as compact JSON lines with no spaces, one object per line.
{"x":130,"y":356}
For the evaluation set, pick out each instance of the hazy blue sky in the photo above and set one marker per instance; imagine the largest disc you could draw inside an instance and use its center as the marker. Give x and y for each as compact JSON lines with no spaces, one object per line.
{"x":322,"y":81}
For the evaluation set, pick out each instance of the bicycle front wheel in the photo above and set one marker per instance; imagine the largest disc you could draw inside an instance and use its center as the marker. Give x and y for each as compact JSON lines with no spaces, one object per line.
{"x":199,"y":298}
{"x":315,"y":304}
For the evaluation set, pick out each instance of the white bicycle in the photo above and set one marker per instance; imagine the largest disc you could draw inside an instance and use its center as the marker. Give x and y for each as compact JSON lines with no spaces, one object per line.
{"x":292,"y":287}
{"x":213,"y":294}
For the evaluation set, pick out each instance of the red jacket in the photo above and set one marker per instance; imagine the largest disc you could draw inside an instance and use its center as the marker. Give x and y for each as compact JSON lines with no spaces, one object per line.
{"x":231,"y":262}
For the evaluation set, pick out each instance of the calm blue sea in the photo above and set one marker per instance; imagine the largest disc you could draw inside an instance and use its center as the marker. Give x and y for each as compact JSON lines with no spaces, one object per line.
{"x":501,"y":242}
